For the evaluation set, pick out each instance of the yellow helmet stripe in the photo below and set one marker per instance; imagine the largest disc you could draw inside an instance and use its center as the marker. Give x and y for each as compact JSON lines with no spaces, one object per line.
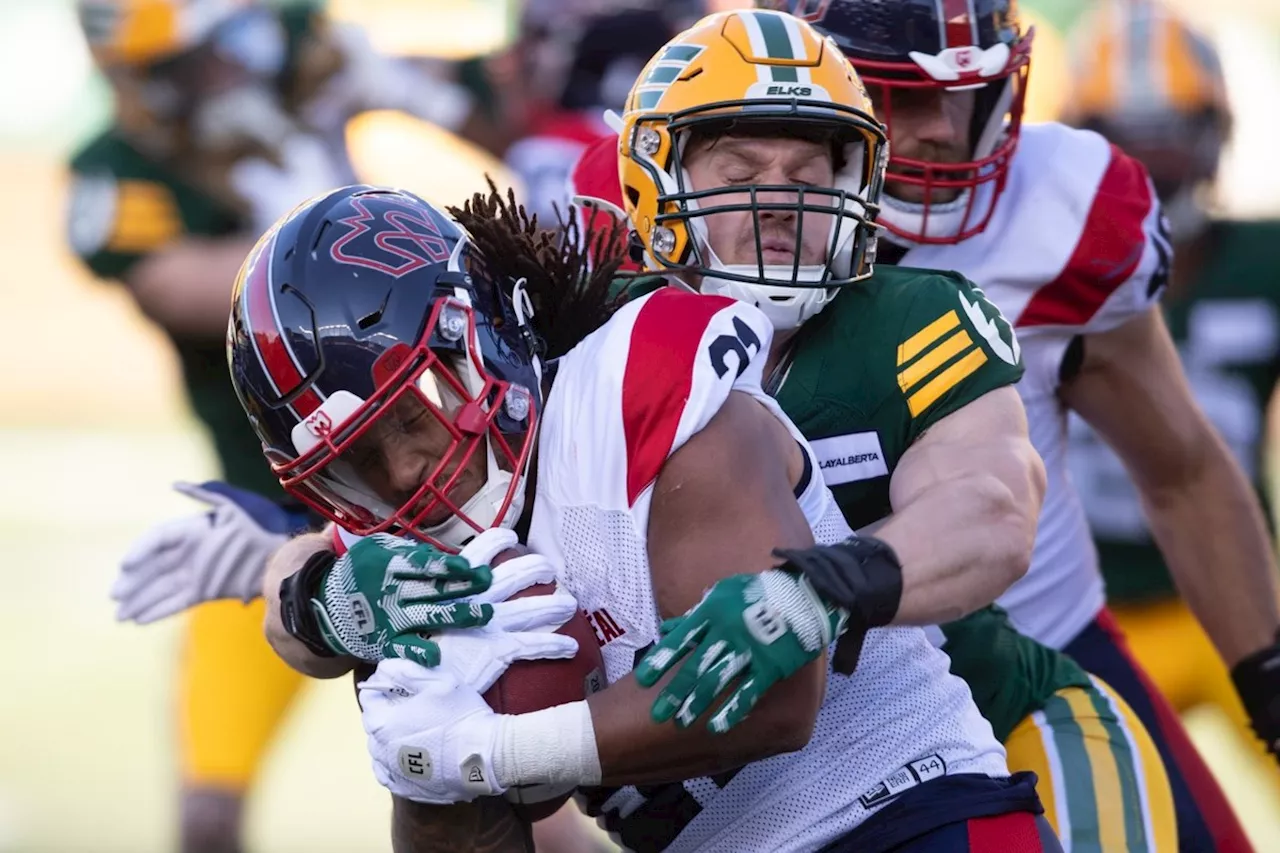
{"x":1194,"y":76}
{"x":1137,"y":56}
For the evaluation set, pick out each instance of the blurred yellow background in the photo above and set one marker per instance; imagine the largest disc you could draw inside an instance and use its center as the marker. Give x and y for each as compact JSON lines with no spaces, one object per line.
{"x":93,"y":432}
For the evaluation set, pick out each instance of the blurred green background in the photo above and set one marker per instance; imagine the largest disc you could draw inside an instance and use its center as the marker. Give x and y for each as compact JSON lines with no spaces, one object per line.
{"x":93,"y":431}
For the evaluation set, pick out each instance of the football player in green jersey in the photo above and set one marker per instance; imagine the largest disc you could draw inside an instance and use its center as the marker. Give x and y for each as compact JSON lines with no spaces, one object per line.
{"x":227,"y":114}
{"x":1222,"y":307}
{"x":1080,"y":738}
{"x":884,"y":364}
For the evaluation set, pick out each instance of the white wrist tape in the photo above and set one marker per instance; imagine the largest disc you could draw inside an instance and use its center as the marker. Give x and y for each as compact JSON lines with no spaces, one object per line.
{"x":556,"y":746}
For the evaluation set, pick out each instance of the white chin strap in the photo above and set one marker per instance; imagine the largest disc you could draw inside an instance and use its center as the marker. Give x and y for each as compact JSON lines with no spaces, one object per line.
{"x":786,"y":307}
{"x":482,"y":508}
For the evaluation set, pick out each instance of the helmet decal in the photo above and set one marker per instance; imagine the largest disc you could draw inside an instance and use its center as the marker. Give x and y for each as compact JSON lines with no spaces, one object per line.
{"x":669,"y":65}
{"x":392,"y":241}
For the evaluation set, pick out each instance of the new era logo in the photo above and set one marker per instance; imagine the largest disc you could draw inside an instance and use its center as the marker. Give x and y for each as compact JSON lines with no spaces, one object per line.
{"x":473,"y":775}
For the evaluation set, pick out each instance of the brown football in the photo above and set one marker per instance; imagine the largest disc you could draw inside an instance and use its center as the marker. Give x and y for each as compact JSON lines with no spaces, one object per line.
{"x":537,"y":684}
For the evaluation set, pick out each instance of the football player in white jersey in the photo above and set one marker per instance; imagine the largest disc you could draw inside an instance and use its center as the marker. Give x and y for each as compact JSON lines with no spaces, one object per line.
{"x":1154,"y":85}
{"x":660,"y":466}
{"x":1064,"y":233}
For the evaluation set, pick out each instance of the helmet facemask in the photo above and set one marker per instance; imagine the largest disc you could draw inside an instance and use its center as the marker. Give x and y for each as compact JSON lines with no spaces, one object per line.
{"x":957,"y":199}
{"x":439,"y":388}
{"x":792,"y":292}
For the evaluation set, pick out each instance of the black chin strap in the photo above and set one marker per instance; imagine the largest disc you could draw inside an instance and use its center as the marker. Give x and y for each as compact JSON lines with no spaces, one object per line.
{"x":889,"y":253}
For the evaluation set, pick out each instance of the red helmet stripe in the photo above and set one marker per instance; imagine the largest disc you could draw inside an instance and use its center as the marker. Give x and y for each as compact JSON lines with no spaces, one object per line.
{"x":273,"y":351}
{"x":961,"y":23}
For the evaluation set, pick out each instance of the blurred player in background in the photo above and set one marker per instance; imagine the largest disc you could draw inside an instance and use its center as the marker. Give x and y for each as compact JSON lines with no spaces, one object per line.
{"x":570,"y":71}
{"x":228,"y":113}
{"x":1155,"y":88}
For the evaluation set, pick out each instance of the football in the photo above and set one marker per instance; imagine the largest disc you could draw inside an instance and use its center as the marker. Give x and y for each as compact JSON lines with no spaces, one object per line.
{"x":537,"y":684}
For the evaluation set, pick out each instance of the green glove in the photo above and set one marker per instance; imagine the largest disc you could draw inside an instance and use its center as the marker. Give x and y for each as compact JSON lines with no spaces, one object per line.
{"x":763,"y":627}
{"x":386,"y":594}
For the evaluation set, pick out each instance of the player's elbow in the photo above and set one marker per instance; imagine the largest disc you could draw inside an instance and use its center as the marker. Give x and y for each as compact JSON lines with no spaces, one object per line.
{"x":1186,"y":458}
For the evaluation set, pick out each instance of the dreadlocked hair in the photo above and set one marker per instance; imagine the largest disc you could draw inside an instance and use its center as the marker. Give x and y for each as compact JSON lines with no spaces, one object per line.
{"x":568,"y":270}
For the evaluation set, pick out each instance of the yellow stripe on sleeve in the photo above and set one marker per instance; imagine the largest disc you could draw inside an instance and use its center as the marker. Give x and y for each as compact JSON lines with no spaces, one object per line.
{"x":945,"y":381}
{"x":146,"y":217}
{"x":921,"y":340}
{"x":933,"y":359}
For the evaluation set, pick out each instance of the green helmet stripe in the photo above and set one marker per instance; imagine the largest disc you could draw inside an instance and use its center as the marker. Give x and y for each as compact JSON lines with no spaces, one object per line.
{"x":777,"y":41}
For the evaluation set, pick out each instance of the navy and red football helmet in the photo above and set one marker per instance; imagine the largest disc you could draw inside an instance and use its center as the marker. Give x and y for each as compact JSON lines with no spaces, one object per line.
{"x":899,"y":46}
{"x":353,"y":301}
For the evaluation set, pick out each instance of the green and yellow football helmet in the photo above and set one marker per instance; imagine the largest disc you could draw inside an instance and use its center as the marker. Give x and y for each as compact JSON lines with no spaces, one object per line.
{"x":754,"y":69}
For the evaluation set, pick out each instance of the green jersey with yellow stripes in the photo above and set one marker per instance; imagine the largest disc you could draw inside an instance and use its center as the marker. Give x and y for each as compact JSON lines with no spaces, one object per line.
{"x":865,"y":379}
{"x":889,"y":358}
{"x":126,"y":206}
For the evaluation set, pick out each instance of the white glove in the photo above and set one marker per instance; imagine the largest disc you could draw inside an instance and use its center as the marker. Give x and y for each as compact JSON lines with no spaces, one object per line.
{"x":522,"y":629}
{"x":221,"y":554}
{"x":431,"y":735}
{"x":512,"y":576}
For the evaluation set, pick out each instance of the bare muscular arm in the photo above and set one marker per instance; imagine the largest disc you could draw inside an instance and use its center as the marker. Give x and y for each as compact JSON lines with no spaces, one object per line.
{"x":1203,"y":512}
{"x":721,"y":504}
{"x":966,"y":497}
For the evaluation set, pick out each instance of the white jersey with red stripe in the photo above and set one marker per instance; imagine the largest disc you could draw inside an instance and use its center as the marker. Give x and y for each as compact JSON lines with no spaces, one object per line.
{"x":1076,"y":245}
{"x":623,"y":401}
